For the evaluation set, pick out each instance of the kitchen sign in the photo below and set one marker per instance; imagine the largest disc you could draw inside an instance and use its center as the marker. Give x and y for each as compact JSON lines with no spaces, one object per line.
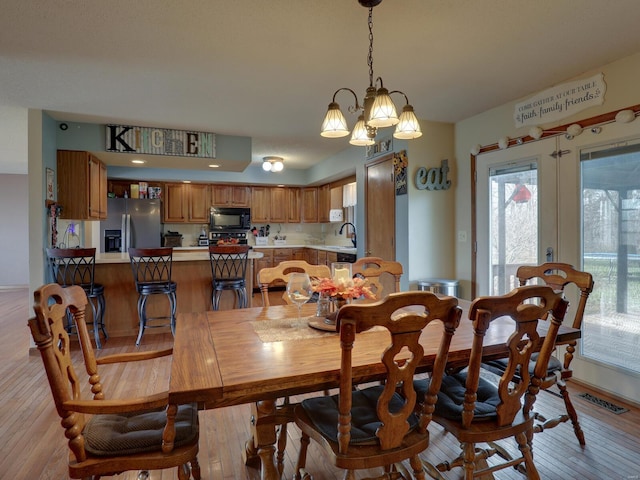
{"x":561,"y":101}
{"x":433,"y":178}
{"x":160,"y":141}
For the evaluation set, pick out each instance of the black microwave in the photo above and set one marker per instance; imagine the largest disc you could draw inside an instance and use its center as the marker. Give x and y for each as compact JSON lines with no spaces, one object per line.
{"x":223,"y":218}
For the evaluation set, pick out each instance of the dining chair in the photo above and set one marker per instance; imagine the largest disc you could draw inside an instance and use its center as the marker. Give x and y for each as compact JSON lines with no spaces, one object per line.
{"x":228,"y":272}
{"x":280,"y":273}
{"x":477,"y":411}
{"x":558,"y":276}
{"x":106,"y":437}
{"x":380,"y":426}
{"x":76,"y":266}
{"x":377,"y":271}
{"x":151,"y":269}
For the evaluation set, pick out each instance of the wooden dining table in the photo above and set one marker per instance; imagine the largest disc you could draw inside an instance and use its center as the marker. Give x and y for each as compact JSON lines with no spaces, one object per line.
{"x":259,"y":355}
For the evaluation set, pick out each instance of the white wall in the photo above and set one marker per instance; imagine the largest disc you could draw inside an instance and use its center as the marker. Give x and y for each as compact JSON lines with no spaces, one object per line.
{"x":14,"y":197}
{"x":622,"y":79}
{"x":14,"y":218}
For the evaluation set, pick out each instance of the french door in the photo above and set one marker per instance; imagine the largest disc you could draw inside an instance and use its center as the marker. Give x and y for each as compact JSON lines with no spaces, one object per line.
{"x":573,"y":200}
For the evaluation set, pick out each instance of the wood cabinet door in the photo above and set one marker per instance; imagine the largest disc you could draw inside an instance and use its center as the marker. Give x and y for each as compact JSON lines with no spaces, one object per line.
{"x":221,"y":195}
{"x":103,"y":191}
{"x":312,"y":256}
{"x":324,"y":202}
{"x":322,"y":257}
{"x":310,"y":205}
{"x":81,"y":185}
{"x":175,"y":203}
{"x":279,"y":205}
{"x":260,"y":204}
{"x":240,"y":196}
{"x":198,"y":203}
{"x":259,"y":263}
{"x":293,"y":214}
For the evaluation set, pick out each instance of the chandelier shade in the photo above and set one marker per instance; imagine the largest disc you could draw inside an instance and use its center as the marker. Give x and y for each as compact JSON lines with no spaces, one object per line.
{"x":377,"y":109}
{"x":334,"y":125}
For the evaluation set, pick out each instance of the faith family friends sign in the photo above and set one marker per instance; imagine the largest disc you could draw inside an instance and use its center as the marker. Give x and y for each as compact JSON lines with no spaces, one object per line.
{"x":561,"y":101}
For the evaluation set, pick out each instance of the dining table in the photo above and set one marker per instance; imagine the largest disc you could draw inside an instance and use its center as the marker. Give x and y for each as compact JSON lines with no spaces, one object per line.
{"x":262,"y":355}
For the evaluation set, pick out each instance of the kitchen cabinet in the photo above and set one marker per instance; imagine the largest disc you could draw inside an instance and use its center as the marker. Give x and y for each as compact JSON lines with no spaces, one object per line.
{"x":260,"y":204}
{"x":299,"y":254}
{"x":279,"y":205}
{"x":322,"y":257}
{"x":324,"y":202}
{"x":293,"y":214}
{"x":82,"y":186}
{"x":311,"y":256}
{"x":265,"y":262}
{"x":230,"y":195}
{"x":309,"y":205}
{"x":186,"y":203}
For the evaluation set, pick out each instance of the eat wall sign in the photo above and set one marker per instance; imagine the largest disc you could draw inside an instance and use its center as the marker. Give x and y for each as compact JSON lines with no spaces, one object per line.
{"x":433,"y":178}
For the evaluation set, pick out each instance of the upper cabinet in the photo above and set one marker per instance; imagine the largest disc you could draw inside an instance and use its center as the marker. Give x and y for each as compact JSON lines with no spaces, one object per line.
{"x":82,"y":186}
{"x":309,"y":205}
{"x":186,"y":203}
{"x":324,"y":202}
{"x":260,"y":204}
{"x":230,"y":195}
{"x":279,"y":205}
{"x":294,"y":205}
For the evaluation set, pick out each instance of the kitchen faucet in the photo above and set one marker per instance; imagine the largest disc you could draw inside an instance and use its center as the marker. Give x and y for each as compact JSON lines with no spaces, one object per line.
{"x":353,"y":235}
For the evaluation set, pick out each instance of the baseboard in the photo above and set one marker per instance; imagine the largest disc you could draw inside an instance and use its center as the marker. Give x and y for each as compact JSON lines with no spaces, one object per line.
{"x":11,"y":288}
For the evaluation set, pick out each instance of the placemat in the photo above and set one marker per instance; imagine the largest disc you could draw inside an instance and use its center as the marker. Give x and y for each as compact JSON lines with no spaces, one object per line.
{"x":286,"y":329}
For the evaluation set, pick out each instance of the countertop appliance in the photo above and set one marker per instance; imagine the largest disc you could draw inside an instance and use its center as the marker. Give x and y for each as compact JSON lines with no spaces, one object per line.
{"x":229,"y":219}
{"x":131,"y":222}
{"x":229,"y":236}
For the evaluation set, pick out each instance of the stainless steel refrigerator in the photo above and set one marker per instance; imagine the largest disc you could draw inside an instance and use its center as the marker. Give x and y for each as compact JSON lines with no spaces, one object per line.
{"x":131,"y":222}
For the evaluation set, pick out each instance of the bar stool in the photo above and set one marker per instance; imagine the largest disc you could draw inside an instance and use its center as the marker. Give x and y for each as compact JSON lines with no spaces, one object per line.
{"x":151,"y":269}
{"x":228,"y":269}
{"x":76,"y":266}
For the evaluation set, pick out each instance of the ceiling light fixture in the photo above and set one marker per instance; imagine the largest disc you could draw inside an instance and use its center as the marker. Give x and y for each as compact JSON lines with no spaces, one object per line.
{"x":272,"y":164}
{"x":139,"y":162}
{"x":377,"y":111}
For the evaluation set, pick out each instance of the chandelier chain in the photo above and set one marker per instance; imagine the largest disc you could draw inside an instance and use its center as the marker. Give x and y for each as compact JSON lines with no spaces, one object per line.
{"x":370,"y":57}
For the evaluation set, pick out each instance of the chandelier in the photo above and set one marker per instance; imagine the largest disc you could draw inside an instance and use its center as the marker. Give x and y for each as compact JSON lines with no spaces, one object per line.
{"x":272,"y":164}
{"x":377,"y":110}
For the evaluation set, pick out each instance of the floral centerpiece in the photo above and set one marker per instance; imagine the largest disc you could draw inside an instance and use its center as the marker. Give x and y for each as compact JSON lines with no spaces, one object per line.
{"x":337,"y":291}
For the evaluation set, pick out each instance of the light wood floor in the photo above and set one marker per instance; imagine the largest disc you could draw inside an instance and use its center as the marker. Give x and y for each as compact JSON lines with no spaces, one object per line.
{"x":34,"y":446}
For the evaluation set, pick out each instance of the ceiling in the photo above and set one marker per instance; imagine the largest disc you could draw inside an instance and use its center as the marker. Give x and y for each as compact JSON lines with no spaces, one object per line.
{"x":268,"y":69}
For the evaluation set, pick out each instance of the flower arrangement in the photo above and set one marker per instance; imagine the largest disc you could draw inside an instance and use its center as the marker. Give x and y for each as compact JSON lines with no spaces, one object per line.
{"x":342,"y":287}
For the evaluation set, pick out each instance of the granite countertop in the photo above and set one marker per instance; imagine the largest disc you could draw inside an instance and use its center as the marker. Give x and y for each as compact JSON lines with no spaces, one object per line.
{"x":188,"y":254}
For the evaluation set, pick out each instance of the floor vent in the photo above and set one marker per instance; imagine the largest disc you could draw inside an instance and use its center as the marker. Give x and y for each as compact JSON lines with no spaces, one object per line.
{"x":603,"y":403}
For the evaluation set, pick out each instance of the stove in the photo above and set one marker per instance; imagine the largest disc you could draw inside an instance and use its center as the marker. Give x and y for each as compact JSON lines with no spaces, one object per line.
{"x":241,"y":237}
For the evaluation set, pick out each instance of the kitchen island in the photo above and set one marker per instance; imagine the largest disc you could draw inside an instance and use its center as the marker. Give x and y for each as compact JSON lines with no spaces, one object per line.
{"x":191,"y":270}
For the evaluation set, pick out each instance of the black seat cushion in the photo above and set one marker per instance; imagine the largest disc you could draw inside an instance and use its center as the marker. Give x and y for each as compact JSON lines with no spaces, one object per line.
{"x":153,"y":288}
{"x":451,"y":397}
{"x":131,"y":433}
{"x":323,"y":412}
{"x":500,"y":365}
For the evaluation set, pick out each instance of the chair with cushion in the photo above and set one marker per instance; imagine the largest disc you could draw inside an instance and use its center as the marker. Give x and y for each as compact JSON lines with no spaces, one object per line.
{"x":76,"y":266}
{"x":106,"y":437}
{"x":151,"y":269}
{"x":380,"y":426}
{"x":378,"y":272}
{"x":280,"y":273}
{"x":477,"y":411}
{"x":228,"y":270}
{"x":558,"y":276}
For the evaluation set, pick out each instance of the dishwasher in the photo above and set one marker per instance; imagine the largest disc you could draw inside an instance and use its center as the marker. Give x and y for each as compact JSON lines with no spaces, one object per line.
{"x":346,"y":257}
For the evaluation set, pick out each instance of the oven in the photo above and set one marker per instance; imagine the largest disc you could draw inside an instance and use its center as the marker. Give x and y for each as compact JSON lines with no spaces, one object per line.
{"x":239,"y":238}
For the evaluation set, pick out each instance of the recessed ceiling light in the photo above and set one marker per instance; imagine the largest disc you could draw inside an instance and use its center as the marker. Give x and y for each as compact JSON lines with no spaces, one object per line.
{"x":213,"y":165}
{"x":138,"y":161}
{"x":186,"y":181}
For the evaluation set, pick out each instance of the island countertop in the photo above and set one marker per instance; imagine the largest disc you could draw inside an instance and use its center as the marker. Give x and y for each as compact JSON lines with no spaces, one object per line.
{"x":189,"y":254}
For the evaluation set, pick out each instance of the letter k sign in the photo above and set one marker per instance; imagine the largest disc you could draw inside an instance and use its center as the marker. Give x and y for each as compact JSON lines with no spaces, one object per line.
{"x":115,"y":137}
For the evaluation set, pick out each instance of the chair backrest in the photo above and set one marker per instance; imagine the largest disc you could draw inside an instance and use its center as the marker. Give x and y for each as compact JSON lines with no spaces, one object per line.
{"x":151,"y":265}
{"x":400,"y":358}
{"x":228,"y":262}
{"x":375,"y":270}
{"x":558,"y":276}
{"x":52,"y":301}
{"x":281,"y":272}
{"x":526,"y":306}
{"x":72,"y":266}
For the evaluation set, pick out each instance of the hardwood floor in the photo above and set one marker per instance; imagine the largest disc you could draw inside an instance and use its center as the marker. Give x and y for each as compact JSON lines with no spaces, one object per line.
{"x":35,"y":447}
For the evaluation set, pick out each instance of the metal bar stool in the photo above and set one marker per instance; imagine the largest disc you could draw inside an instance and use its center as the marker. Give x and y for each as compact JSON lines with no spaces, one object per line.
{"x":228,"y":271}
{"x":76,"y":266}
{"x":151,"y":269}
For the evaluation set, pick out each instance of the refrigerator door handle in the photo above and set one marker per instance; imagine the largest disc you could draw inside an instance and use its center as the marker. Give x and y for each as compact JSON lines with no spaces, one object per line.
{"x":128,"y":234}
